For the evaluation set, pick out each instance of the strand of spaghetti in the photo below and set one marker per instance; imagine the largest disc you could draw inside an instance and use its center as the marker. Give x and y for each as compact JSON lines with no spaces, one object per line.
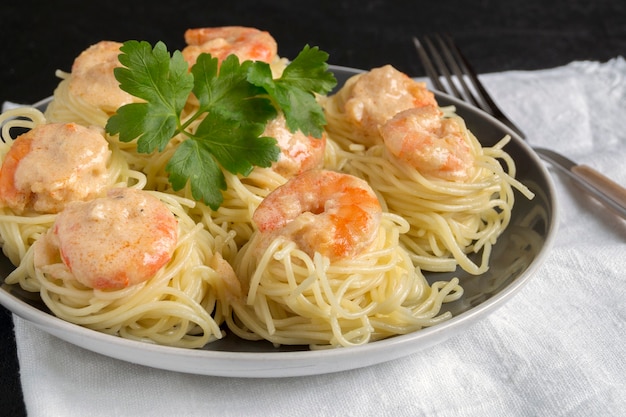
{"x":24,"y":273}
{"x":25,"y":117}
{"x":19,"y":232}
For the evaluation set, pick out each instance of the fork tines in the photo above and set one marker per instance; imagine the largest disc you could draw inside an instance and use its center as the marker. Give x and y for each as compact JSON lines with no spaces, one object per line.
{"x":450,"y":72}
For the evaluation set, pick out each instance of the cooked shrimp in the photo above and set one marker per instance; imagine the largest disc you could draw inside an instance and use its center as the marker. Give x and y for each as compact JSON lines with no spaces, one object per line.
{"x":92,"y":78}
{"x":51,"y":165}
{"x":328,"y":212}
{"x":372,"y":98}
{"x":434,"y":145}
{"x":247,"y":43}
{"x":111,"y":242}
{"x":299,"y":152}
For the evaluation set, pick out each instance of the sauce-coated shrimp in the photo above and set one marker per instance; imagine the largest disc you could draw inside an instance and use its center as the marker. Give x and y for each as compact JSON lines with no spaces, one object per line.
{"x":53,"y":164}
{"x":110,"y":242}
{"x":299,"y":152}
{"x":92,"y":78}
{"x":245,"y":42}
{"x":328,"y":212}
{"x":372,"y":98}
{"x":434,"y":145}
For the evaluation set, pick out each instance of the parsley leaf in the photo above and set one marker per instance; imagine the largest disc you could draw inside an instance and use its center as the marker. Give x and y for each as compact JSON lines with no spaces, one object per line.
{"x":236,"y":100}
{"x":183,"y":167}
{"x":229,"y":92}
{"x":163,"y":82}
{"x":236,"y":145}
{"x":294,"y":90}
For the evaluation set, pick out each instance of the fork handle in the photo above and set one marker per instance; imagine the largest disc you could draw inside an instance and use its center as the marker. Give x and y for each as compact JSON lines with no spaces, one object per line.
{"x":607,"y":191}
{"x":606,"y":185}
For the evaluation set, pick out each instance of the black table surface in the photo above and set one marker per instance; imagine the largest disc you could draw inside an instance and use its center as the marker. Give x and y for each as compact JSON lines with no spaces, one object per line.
{"x":36,"y":38}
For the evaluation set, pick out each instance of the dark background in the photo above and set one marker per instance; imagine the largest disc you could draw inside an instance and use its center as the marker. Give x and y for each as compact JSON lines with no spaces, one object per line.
{"x":39,"y":37}
{"x":36,"y":38}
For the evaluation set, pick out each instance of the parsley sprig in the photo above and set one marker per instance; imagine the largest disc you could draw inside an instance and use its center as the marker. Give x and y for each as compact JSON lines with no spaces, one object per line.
{"x":236,"y":100}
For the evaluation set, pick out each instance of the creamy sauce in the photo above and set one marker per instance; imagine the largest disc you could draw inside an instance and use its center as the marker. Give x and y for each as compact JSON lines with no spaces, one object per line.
{"x":434,"y":145}
{"x":111,"y":242}
{"x":374,"y":97}
{"x":93,"y":80}
{"x":52,"y":165}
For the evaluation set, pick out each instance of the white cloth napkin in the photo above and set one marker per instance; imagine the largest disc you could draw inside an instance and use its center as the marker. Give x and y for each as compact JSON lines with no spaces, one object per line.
{"x":555,"y":349}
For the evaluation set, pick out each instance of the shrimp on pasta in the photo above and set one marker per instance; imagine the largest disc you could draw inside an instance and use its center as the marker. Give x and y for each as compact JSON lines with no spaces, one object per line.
{"x":111,"y":242}
{"x":325,"y":268}
{"x":44,"y":169}
{"x":426,"y":166}
{"x":434,"y":145}
{"x":455,"y":194}
{"x":368,"y":100}
{"x":322,"y":211}
{"x":90,"y":93}
{"x":136,"y":265}
{"x":52,"y":165}
{"x":245,"y":42}
{"x":93,"y":78}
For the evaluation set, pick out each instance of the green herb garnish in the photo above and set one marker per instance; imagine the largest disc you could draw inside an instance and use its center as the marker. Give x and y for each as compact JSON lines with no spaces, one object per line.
{"x":236,"y":100}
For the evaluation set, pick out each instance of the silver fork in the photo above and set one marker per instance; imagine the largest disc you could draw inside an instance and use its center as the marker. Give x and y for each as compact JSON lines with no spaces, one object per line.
{"x":450,"y":72}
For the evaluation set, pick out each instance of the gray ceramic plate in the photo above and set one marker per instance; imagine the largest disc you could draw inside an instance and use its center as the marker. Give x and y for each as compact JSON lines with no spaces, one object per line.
{"x":515,"y":258}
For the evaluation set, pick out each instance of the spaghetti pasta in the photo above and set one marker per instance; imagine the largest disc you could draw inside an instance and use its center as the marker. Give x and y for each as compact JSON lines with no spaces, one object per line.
{"x":452,"y":220}
{"x":343,"y":268}
{"x":293,"y":298}
{"x":175,"y":307}
{"x":17,"y":230}
{"x":449,"y":220}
